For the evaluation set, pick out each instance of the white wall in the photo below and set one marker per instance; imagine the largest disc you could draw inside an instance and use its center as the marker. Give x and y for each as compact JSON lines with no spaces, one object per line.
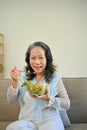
{"x":62,"y":24}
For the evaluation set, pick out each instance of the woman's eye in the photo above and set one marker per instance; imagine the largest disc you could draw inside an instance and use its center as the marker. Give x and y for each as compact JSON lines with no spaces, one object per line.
{"x":41,"y":57}
{"x":32,"y":58}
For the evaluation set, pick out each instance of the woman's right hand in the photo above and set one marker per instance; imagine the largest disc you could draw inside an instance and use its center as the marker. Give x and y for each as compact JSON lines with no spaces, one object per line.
{"x":15,"y":75}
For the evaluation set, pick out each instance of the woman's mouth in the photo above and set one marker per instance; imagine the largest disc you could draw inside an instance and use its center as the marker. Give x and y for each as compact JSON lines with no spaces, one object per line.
{"x":37,"y":68}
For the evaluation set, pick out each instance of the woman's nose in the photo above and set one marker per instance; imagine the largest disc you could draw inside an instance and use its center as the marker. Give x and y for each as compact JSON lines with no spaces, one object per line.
{"x":37,"y":61}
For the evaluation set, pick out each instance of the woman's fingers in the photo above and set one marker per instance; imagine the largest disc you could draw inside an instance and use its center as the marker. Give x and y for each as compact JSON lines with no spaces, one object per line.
{"x":15,"y":74}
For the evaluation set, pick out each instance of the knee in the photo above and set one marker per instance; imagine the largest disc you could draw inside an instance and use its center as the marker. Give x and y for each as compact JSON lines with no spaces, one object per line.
{"x":10,"y":127}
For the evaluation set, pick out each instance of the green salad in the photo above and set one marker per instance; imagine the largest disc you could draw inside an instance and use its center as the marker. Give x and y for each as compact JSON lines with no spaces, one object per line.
{"x":33,"y":89}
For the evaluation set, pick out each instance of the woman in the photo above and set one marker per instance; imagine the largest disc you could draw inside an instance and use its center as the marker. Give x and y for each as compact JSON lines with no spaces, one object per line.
{"x":38,"y":112}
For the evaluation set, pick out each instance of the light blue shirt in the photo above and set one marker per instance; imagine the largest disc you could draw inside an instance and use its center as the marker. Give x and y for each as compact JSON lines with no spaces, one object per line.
{"x":35,"y":109}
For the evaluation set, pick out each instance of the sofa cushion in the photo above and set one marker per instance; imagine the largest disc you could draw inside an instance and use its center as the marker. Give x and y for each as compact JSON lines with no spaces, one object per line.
{"x":65,"y":118}
{"x":82,"y":126}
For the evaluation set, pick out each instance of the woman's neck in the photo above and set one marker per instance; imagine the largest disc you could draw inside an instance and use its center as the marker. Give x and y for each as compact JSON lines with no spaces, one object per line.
{"x":39,"y":77}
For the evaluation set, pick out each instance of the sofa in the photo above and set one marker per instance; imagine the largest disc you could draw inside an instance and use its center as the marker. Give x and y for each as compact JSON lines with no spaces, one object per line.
{"x":77,"y":90}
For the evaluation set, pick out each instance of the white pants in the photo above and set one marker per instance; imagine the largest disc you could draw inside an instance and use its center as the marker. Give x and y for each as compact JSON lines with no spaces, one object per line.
{"x":51,"y":124}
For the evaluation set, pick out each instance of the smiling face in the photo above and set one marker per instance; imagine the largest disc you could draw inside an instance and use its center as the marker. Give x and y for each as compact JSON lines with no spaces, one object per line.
{"x":38,"y":60}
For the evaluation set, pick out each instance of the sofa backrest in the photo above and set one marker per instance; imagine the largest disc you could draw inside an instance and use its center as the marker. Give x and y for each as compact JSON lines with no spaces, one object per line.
{"x":8,"y":112}
{"x":76,"y":88}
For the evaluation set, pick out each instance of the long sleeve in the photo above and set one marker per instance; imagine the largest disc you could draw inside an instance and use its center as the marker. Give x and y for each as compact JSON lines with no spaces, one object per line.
{"x":12,"y":94}
{"x":63,"y":96}
{"x":59,"y":97}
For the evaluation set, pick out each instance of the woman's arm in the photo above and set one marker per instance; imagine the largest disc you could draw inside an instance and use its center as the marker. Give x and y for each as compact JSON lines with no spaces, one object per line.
{"x":63,"y":97}
{"x":12,"y":94}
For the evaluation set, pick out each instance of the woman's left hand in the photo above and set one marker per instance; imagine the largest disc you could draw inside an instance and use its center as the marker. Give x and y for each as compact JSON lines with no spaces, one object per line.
{"x":44,"y":96}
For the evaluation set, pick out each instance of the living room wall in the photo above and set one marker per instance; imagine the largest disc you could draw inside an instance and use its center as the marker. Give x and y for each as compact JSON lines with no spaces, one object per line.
{"x":62,"y":24}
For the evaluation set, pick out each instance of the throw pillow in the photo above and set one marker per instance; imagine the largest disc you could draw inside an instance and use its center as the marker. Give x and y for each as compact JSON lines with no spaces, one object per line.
{"x":65,"y":118}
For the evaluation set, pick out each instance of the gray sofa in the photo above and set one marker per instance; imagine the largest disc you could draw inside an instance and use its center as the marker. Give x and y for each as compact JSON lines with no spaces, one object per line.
{"x":77,"y":90}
